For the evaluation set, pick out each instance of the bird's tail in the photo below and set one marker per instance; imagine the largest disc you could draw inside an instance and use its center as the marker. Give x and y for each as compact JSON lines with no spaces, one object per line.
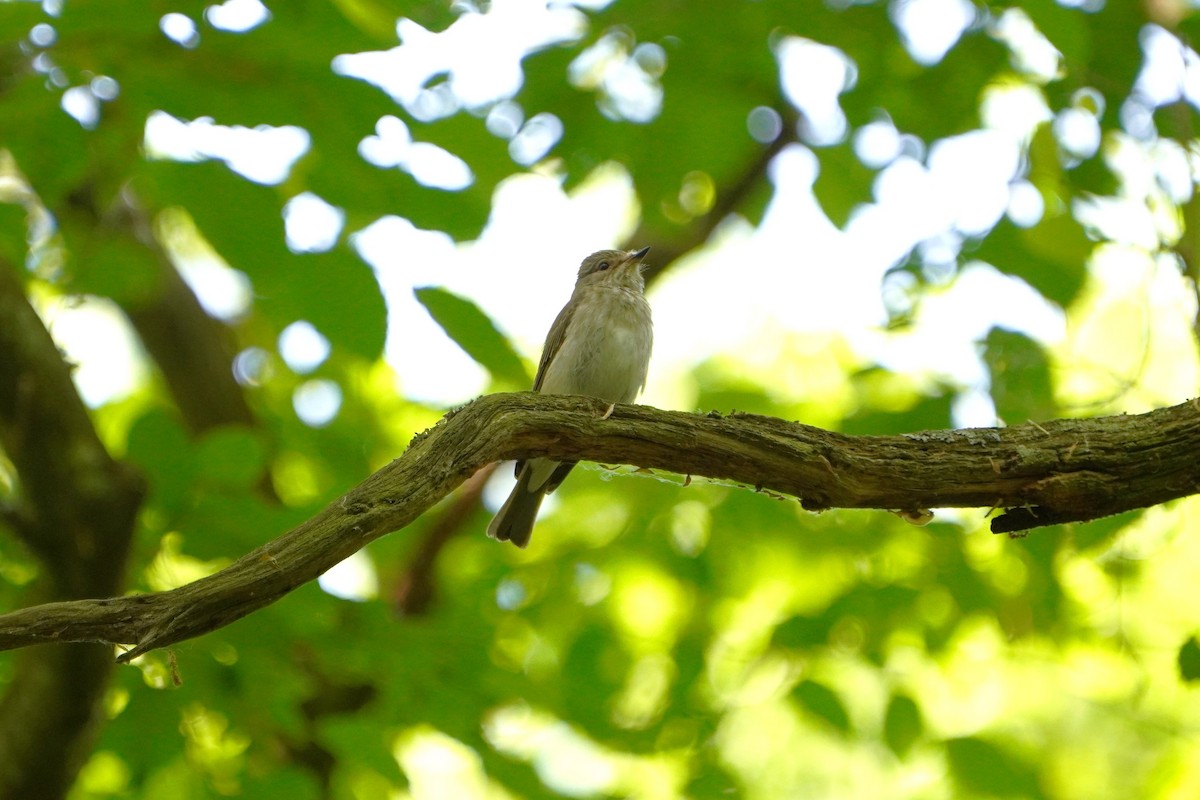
{"x":514,"y":521}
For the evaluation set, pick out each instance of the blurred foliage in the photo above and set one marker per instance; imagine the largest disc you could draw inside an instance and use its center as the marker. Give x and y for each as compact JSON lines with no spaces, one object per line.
{"x":657,"y":640}
{"x":465,"y":323}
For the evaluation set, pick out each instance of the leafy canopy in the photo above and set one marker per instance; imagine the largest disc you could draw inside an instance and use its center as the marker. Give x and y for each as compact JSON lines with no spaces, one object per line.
{"x":657,"y":640}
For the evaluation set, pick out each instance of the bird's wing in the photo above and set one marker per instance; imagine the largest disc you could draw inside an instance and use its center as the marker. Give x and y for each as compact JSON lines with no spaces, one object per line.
{"x":554,"y":342}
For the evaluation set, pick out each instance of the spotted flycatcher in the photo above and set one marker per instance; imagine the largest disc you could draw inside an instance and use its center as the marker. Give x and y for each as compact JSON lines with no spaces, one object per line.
{"x":599,"y":346}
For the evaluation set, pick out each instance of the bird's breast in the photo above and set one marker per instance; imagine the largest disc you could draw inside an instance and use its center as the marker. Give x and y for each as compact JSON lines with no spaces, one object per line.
{"x":606,"y":350}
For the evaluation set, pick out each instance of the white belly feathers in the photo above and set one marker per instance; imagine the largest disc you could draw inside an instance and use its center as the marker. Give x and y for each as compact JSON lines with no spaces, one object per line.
{"x":606,"y":361}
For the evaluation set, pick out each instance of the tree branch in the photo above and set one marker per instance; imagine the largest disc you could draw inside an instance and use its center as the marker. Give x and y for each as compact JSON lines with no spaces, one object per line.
{"x":731,"y":197}
{"x":75,"y":509}
{"x":415,"y":590}
{"x":67,"y":478}
{"x":1065,"y":470}
{"x":193,"y":350}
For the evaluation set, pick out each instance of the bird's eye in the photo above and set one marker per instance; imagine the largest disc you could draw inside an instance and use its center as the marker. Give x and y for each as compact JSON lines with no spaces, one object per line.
{"x":603,"y":266}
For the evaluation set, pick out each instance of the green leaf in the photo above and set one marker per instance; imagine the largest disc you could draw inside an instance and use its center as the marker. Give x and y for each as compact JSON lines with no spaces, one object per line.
{"x":593,"y":671}
{"x":231,"y":456}
{"x":14,"y":234}
{"x":241,"y":219}
{"x":1020,"y":371}
{"x":726,"y":69}
{"x":928,"y":413}
{"x":842,"y":184}
{"x":1116,"y":52}
{"x":981,"y":766}
{"x":821,"y":701}
{"x":224,"y":521}
{"x":51,"y":149}
{"x":15,"y":23}
{"x":1099,"y":533}
{"x":476,"y":334}
{"x":802,"y":631}
{"x":1065,"y":28}
{"x":902,"y":724}
{"x":150,"y":713}
{"x":954,"y":84}
{"x":292,"y":782}
{"x":1051,"y":256}
{"x":365,"y":745}
{"x":1189,"y":660}
{"x":111,"y":263}
{"x":335,"y":290}
{"x":159,"y":445}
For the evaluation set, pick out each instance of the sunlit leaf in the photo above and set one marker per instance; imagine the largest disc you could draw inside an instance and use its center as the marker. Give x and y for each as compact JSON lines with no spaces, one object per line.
{"x":471,"y":329}
{"x":1066,"y":28}
{"x":1189,"y":660}
{"x":1020,"y":371}
{"x":1100,"y":532}
{"x":1051,"y":256}
{"x":980,"y":766}
{"x":928,"y":413}
{"x":337,"y":292}
{"x":823,"y":702}
{"x":159,"y":445}
{"x":902,"y":724}
{"x":842,"y":184}
{"x":230,"y":456}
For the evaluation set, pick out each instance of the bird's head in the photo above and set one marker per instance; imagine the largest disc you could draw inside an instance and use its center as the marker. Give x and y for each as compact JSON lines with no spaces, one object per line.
{"x":613,"y":268}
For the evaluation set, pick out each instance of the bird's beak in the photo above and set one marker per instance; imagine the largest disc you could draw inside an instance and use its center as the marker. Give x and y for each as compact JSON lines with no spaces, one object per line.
{"x":634,"y":258}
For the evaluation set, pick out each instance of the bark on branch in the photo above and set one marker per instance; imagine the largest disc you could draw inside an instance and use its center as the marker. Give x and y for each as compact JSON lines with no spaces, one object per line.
{"x":75,"y":510}
{"x":1065,"y":470}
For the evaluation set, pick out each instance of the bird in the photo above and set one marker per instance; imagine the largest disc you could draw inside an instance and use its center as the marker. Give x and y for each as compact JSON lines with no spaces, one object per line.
{"x":598,"y":346}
